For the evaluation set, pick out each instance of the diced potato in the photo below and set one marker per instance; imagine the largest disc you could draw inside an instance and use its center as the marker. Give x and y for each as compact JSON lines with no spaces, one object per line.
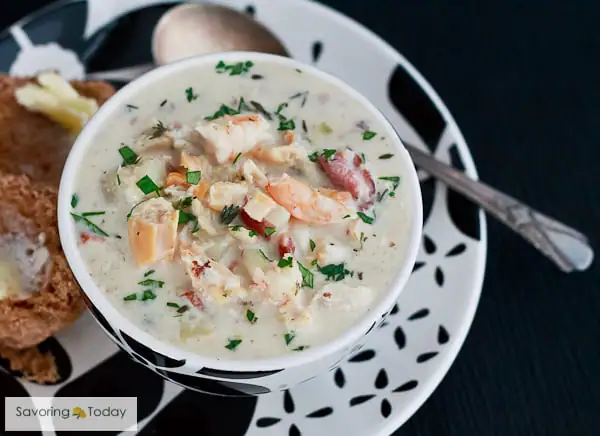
{"x":153,"y":167}
{"x":243,"y":235}
{"x":152,"y":230}
{"x":222,"y":194}
{"x":259,"y":206}
{"x":253,"y":174}
{"x":279,"y":217}
{"x":342,"y":297}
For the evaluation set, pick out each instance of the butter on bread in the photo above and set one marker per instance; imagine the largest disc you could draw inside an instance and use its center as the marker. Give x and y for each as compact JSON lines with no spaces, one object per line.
{"x":55,"y":98}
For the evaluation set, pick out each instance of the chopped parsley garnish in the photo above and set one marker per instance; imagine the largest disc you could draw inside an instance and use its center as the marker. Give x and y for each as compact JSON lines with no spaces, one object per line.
{"x":130,"y":297}
{"x":368,"y":135}
{"x":93,"y":213}
{"x":261,"y":109}
{"x":367,"y":219}
{"x":158,"y":130}
{"x":304,"y":96}
{"x":223,"y":110}
{"x":381,"y":195}
{"x":326,"y":153}
{"x":152,"y":283}
{"x":180,"y":309}
{"x":314,"y":262}
{"x":189,"y":95}
{"x":236,"y":69}
{"x":289,"y":337}
{"x":334,"y":272}
{"x":394,"y":179}
{"x":162,"y":103}
{"x":193,"y":177}
{"x":285,"y":262}
{"x":257,"y":77}
{"x":264,"y":255}
{"x":386,"y":156}
{"x":298,"y":70}
{"x":185,"y":217}
{"x":129,"y":156}
{"x":252,"y":233}
{"x":392,"y":194}
{"x":364,"y":159}
{"x":304,"y":126}
{"x":131,"y":106}
{"x":243,"y":106}
{"x":149,"y":273}
{"x":251,"y":317}
{"x":269,"y":231}
{"x":74,"y":201}
{"x":307,"y":276}
{"x":233,"y":344}
{"x":237,"y":158}
{"x":325,"y":128}
{"x":229,"y":213}
{"x":90,"y":225}
{"x":175,"y":305}
{"x":286,"y":125}
{"x":235,"y":228}
{"x":133,"y":207}
{"x":281,"y":107}
{"x":147,"y":185}
{"x":312,"y":245}
{"x":118,"y":179}
{"x":186,"y":202}
{"x":148,"y":294}
{"x":301,"y":348}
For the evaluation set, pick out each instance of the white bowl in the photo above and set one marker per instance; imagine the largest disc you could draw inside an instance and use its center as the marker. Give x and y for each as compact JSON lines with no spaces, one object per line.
{"x":205,"y":373}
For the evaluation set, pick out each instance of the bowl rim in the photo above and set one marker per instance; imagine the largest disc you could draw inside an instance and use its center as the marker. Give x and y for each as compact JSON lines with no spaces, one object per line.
{"x":116,"y":319}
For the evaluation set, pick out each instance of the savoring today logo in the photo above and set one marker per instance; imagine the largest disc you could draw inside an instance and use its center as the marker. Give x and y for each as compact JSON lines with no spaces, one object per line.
{"x":70,"y":413}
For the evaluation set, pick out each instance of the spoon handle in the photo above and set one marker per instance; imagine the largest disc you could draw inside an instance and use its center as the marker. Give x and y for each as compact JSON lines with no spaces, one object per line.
{"x":126,"y":74}
{"x":566,"y":247}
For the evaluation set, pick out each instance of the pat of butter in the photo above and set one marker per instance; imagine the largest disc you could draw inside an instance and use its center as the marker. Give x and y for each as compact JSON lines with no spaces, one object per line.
{"x":58,"y":100}
{"x":10,"y":282}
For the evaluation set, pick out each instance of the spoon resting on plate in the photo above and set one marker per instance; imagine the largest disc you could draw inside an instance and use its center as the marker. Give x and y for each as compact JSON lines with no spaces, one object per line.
{"x":214,"y":28}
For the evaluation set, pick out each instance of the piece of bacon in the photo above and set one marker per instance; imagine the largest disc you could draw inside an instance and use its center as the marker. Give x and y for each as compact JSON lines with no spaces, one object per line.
{"x":258,"y":226}
{"x":86,"y":237}
{"x":194,"y":299}
{"x":286,"y":245}
{"x":350,"y":176}
{"x":198,"y":269}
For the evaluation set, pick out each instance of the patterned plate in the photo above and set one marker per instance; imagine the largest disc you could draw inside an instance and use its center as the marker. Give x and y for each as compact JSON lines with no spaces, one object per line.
{"x":379,"y":388}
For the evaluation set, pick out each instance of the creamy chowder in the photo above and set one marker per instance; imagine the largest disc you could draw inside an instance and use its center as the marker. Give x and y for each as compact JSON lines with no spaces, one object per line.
{"x":244,"y":210}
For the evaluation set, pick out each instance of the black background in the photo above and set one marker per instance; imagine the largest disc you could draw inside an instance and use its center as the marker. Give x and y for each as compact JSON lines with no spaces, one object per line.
{"x":522,"y":80}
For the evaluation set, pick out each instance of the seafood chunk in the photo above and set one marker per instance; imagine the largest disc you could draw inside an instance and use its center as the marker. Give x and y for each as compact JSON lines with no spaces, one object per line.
{"x":222,"y":194}
{"x":330,"y":251}
{"x":152,"y":230}
{"x":259,"y":206}
{"x":253,"y":174}
{"x":153,"y":167}
{"x":342,"y":297}
{"x":211,"y":279}
{"x":305,"y":203}
{"x":279,"y":284}
{"x":346,"y":171}
{"x":206,"y":218}
{"x":225,"y":137}
{"x":284,"y":154}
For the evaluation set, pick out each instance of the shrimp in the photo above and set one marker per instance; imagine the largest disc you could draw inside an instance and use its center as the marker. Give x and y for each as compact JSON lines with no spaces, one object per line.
{"x":346,"y":171}
{"x":304,"y":203}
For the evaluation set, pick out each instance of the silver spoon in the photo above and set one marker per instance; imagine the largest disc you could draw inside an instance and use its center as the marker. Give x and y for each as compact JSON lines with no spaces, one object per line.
{"x":195,"y":29}
{"x":189,"y":30}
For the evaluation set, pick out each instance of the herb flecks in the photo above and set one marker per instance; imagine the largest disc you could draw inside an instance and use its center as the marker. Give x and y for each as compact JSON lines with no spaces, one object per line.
{"x":129,"y":156}
{"x":289,"y":337}
{"x":285,"y":262}
{"x":149,"y":273}
{"x":148,"y":294}
{"x":157,"y":130}
{"x":335,"y":272}
{"x":185,"y":217}
{"x":221,"y":112}
{"x":189,"y":94}
{"x":237,"y":158}
{"x":367,"y":135}
{"x":237,"y":69}
{"x":386,"y":156}
{"x":147,"y":185}
{"x":90,"y":225}
{"x":261,"y":110}
{"x":229,"y":213}
{"x":286,"y":125}
{"x":193,"y":177}
{"x":312,"y":245}
{"x":151,"y":283}
{"x":307,"y":276}
{"x":326,"y":153}
{"x":251,"y":316}
{"x":365,"y":218}
{"x":74,"y":201}
{"x":233,"y":344}
{"x":394,"y":179}
{"x":269,"y":231}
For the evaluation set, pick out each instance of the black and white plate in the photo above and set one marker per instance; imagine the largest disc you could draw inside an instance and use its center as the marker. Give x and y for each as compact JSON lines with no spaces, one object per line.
{"x":376,"y":390}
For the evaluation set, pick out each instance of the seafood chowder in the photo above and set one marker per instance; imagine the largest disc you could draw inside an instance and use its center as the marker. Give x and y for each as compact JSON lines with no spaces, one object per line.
{"x":245,"y":211}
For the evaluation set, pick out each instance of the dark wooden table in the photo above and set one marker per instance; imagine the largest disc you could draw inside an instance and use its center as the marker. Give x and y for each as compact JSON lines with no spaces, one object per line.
{"x":522,"y":80}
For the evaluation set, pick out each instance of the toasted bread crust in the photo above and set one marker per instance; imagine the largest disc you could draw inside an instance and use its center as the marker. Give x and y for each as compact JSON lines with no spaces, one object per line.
{"x":32,"y":144}
{"x":30,"y":209}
